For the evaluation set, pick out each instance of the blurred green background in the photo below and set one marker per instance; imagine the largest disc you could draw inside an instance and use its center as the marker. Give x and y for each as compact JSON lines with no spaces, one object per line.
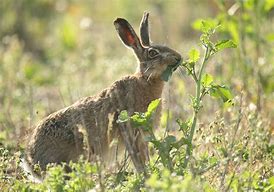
{"x":53,"y":52}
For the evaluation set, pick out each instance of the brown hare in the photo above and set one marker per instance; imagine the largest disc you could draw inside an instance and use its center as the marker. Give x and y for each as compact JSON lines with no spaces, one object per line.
{"x":59,"y":137}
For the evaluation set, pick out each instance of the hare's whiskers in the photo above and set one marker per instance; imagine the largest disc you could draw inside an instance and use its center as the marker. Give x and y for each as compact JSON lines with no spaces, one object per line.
{"x":149,"y":76}
{"x":181,"y":71}
{"x":148,"y":69}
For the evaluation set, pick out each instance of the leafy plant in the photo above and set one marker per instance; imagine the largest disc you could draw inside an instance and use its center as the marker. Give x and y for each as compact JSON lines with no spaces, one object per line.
{"x":144,"y":121}
{"x":203,"y":81}
{"x":245,"y":22}
{"x":79,"y":179}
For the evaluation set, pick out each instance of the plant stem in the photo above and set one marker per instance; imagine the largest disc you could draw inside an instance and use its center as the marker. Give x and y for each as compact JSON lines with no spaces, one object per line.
{"x":196,"y":109}
{"x":230,"y":150}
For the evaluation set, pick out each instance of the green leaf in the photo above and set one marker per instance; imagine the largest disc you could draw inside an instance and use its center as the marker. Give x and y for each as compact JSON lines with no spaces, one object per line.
{"x":225,"y":44}
{"x":156,"y":143}
{"x":194,"y":55}
{"x":205,"y":39}
{"x":152,"y":107}
{"x":209,"y":25}
{"x":207,"y":79}
{"x":139,"y":119}
{"x":166,"y":75}
{"x":205,"y":26}
{"x":222,"y":92}
{"x":123,"y":117}
{"x":149,"y":138}
{"x":170,"y":139}
{"x":197,"y":24}
{"x":181,"y":142}
{"x":184,"y":125}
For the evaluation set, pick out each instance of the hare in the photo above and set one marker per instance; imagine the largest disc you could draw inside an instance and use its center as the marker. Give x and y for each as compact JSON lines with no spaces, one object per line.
{"x":58,"y":138}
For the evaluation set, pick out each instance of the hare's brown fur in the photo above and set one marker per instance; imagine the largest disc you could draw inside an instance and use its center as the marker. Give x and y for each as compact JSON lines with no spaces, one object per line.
{"x":58,"y":139}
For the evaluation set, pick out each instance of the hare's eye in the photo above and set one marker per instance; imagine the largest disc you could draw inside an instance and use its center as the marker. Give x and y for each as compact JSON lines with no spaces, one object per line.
{"x":153,"y":53}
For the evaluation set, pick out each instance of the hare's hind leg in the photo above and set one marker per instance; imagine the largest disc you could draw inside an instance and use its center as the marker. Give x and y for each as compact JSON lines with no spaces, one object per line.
{"x":51,"y":149}
{"x":135,"y":146}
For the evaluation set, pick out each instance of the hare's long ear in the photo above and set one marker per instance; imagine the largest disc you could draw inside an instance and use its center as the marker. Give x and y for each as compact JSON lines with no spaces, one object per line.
{"x":128,"y":35}
{"x":144,"y":31}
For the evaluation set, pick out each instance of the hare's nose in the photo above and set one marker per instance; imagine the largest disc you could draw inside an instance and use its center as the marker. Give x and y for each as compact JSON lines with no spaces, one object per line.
{"x":178,"y":57}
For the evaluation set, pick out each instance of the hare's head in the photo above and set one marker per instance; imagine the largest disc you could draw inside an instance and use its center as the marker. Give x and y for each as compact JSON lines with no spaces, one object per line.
{"x":155,"y":61}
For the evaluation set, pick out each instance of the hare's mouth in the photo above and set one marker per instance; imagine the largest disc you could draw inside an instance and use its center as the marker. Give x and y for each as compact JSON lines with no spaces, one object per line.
{"x":166,"y":75}
{"x":175,"y":66}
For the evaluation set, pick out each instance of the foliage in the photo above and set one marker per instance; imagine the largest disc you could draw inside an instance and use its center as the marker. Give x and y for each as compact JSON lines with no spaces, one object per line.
{"x":216,"y":131}
{"x":81,"y":178}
